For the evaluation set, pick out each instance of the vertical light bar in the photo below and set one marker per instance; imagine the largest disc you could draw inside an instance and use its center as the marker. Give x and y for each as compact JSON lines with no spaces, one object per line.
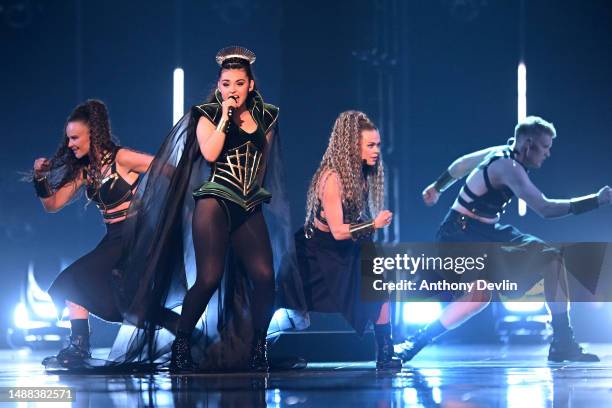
{"x":522,"y":91}
{"x":178,"y":100}
{"x":522,"y":114}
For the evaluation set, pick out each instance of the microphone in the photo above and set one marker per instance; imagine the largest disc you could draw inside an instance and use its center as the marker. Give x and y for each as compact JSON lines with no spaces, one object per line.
{"x":230,"y":110}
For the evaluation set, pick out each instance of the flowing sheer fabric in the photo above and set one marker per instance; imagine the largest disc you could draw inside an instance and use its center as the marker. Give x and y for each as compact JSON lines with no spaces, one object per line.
{"x":159,"y":261}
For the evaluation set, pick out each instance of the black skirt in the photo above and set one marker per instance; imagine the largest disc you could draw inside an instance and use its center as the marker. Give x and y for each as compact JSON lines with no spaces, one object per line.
{"x":331,"y":276}
{"x":88,"y":281}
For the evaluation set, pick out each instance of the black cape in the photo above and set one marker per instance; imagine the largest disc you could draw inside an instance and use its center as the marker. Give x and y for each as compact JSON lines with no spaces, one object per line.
{"x":159,"y":260}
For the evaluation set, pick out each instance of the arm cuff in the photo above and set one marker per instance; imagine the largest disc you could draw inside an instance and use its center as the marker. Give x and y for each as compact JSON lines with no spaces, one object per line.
{"x":444,"y":181}
{"x":42,"y":187}
{"x":361,"y":230}
{"x":580,"y":205}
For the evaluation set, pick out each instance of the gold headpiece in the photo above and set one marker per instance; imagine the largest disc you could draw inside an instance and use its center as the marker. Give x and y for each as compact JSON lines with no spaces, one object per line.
{"x":235,"y":51}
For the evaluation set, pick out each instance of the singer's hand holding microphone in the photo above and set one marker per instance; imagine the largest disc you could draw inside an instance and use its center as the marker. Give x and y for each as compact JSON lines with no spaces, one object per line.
{"x":228,"y":106}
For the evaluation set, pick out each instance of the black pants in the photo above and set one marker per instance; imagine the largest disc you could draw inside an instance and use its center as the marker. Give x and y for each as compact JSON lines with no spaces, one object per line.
{"x":220,"y":225}
{"x":522,"y":260}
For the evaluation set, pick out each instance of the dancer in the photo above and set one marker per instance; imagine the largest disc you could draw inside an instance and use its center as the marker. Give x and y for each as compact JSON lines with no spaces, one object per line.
{"x":89,"y":158}
{"x":346,"y":189}
{"x":496,"y":175}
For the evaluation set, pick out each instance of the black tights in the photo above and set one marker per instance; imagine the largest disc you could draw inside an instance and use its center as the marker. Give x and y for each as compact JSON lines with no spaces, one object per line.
{"x":248,"y":236}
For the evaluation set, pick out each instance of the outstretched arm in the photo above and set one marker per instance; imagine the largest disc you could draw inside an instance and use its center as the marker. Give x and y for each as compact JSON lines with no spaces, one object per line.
{"x":457,"y":170}
{"x":516,"y":178}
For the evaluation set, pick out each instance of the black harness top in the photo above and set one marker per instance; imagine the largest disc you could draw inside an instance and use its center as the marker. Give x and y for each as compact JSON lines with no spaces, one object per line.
{"x":111,"y":191}
{"x":494,"y":201}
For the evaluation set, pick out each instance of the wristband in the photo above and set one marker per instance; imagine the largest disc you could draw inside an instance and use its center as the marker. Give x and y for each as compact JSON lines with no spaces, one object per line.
{"x":222,"y":126}
{"x":361,"y":230}
{"x":444,"y":181}
{"x":580,"y":205}
{"x":42,"y":187}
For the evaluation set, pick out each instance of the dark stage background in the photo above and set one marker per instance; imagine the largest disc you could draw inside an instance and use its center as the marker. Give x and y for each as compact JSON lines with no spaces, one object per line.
{"x":438,"y":77}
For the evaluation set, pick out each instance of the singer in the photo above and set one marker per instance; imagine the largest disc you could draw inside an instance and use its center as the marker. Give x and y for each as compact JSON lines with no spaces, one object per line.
{"x":233,"y":131}
{"x":200,"y":219}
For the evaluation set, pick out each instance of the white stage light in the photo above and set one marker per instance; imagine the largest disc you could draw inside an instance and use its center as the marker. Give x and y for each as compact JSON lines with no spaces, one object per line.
{"x":521,"y":87}
{"x":178,"y":100}
{"x":421,"y":312}
{"x":523,"y":307}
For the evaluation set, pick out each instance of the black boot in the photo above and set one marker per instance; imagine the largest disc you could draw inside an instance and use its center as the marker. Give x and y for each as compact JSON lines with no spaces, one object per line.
{"x":76,"y":353}
{"x":565,"y":348}
{"x":384,"y":349}
{"x":259,"y":352}
{"x":181,"y":360}
{"x":410,"y":348}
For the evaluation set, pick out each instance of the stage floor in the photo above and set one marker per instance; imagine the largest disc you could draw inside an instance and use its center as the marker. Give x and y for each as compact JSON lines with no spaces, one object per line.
{"x":443,"y":376}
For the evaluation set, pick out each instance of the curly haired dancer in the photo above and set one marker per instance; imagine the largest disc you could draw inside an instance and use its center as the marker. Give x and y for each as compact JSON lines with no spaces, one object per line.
{"x":345,"y":190}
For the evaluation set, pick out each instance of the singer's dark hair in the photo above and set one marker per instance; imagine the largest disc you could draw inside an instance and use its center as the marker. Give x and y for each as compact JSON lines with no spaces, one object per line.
{"x":234,"y":63}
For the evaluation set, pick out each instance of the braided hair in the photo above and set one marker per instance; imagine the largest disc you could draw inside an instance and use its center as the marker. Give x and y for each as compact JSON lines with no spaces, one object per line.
{"x":343,"y":156}
{"x":64,"y":166}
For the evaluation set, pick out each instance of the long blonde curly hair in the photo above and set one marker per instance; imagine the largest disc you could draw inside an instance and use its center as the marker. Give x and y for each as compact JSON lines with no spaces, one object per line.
{"x":362,"y":187}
